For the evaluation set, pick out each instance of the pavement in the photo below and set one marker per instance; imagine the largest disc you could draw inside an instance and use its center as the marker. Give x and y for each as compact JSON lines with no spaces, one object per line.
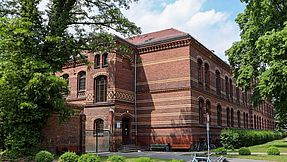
{"x":171,"y":155}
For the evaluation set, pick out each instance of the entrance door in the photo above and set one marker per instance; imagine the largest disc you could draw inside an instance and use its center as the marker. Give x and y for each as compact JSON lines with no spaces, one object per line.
{"x":126,"y":130}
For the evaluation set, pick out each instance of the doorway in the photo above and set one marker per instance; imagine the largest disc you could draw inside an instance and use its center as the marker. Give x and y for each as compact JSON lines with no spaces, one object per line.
{"x":126,"y":131}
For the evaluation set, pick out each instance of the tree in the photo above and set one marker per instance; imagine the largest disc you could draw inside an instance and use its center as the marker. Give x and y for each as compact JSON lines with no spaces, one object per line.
{"x":259,"y":59}
{"x":33,"y":48}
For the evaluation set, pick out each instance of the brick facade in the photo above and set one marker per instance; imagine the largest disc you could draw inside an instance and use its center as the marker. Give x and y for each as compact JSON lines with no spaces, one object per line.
{"x":173,"y":73}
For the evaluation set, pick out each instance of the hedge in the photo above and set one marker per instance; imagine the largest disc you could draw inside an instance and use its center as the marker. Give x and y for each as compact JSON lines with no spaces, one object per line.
{"x":236,"y":138}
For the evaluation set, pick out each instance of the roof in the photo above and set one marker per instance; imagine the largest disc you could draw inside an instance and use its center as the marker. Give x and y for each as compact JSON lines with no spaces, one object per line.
{"x":157,"y":36}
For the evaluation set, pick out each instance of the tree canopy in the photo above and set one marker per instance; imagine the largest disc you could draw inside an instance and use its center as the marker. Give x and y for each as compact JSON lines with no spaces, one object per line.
{"x":259,"y":59}
{"x":34,"y":45}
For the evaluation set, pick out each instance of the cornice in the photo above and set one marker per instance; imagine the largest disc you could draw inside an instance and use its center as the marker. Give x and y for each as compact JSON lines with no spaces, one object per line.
{"x":159,"y":46}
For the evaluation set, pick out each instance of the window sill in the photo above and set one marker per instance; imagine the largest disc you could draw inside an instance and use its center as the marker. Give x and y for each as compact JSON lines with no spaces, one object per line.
{"x":104,"y":66}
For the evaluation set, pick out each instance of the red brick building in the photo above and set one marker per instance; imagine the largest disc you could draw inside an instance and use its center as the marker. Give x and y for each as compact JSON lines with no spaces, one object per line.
{"x":162,"y":97}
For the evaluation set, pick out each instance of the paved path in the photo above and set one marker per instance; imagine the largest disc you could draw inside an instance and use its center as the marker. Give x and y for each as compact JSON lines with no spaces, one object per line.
{"x":170,"y":155}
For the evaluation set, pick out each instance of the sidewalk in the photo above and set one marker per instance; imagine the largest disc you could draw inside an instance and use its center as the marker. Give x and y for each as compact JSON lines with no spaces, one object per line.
{"x":171,"y":155}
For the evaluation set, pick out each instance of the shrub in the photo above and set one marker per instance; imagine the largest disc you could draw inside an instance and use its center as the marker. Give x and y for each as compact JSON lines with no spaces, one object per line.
{"x":173,"y":160}
{"x":44,"y":156}
{"x":116,"y":158}
{"x":89,"y":158}
{"x":144,"y":159}
{"x":69,"y":157}
{"x":273,"y":151}
{"x":236,"y":138}
{"x":220,"y":151}
{"x":244,"y":151}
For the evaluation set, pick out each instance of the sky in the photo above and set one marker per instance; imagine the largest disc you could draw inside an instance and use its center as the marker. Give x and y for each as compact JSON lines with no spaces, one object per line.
{"x":211,"y":22}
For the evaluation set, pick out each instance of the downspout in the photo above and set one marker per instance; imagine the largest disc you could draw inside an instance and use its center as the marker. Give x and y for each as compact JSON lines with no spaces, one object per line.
{"x":135,"y":96}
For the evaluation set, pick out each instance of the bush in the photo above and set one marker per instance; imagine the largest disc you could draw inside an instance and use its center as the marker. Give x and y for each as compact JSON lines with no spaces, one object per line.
{"x":244,"y":151}
{"x":144,"y":159}
{"x":236,"y":138}
{"x":116,"y":158}
{"x":220,"y":151}
{"x":69,"y":157}
{"x":173,"y":160}
{"x":89,"y":158}
{"x":273,"y":151}
{"x":44,"y":156}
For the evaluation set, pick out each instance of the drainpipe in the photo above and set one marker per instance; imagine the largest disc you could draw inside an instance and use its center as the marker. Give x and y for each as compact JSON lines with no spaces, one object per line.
{"x":135,"y":95}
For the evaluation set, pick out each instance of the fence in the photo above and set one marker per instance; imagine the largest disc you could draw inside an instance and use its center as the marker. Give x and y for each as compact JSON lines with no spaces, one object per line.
{"x":97,"y":141}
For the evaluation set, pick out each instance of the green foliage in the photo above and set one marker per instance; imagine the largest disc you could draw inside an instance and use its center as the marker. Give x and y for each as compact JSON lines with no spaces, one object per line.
{"x":173,"y":160}
{"x":244,"y":151}
{"x":144,"y":159}
{"x":236,"y":138}
{"x":89,"y":158}
{"x":69,"y":157}
{"x":220,"y":151}
{"x":116,"y":158}
{"x":33,"y":48}
{"x":273,"y":151}
{"x":44,"y":156}
{"x":259,"y":60}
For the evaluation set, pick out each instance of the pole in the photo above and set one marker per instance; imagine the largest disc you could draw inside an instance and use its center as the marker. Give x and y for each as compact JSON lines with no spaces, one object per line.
{"x":207,"y":133}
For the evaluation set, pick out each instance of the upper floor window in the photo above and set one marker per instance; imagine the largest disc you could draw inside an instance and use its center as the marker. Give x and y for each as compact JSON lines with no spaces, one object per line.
{"x":200,"y":111}
{"x":82,"y":81}
{"x":218,"y":82}
{"x":237,"y":94}
{"x":206,"y":74}
{"x":226,"y":87}
{"x":101,"y":89}
{"x":97,"y":62}
{"x":219,"y":115}
{"x":66,"y":77}
{"x":99,"y":127}
{"x":105,"y":59}
{"x":199,"y":70}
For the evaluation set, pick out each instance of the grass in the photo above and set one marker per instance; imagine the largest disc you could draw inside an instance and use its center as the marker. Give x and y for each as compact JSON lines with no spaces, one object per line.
{"x":281,"y":158}
{"x":280,"y":144}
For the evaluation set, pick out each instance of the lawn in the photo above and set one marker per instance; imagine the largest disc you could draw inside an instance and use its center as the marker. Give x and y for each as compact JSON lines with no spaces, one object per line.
{"x":281,"y":158}
{"x":280,"y":144}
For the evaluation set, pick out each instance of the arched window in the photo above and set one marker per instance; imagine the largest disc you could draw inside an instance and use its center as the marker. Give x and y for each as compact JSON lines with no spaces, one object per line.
{"x":237,"y":95}
{"x":99,"y":127}
{"x":219,"y":115}
{"x":206,"y":74}
{"x":97,"y":62}
{"x":247,"y":125}
{"x":199,"y":70}
{"x":66,"y":77}
{"x":227,"y":117}
{"x":101,"y":89}
{"x":208,"y":110}
{"x":238,"y":119}
{"x":244,"y":120}
{"x":231,"y":89}
{"x":254,"y":118}
{"x":226,"y":88}
{"x":200,"y":111}
{"x":81,"y":81}
{"x":232,"y":117}
{"x":218,"y":82}
{"x":105,"y":60}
